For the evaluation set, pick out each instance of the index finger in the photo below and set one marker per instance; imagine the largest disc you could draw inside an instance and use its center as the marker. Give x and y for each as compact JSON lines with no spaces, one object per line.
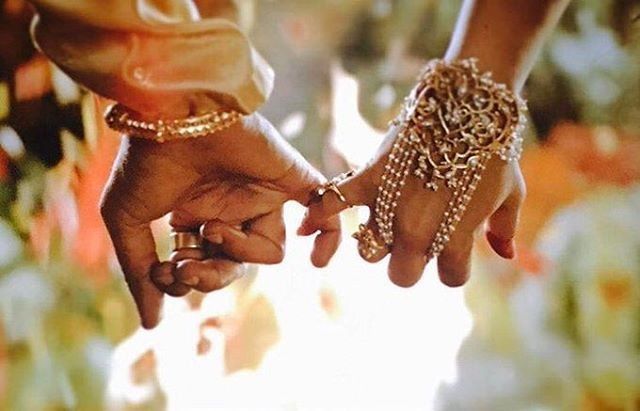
{"x":136,"y":252}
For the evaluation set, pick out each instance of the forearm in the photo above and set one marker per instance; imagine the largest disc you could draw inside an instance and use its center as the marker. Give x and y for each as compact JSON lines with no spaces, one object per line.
{"x":505,"y":36}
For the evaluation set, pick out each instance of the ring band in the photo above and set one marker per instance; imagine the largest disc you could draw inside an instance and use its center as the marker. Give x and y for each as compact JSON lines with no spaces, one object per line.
{"x":332,"y":185}
{"x":186,"y":240}
{"x":368,"y":244}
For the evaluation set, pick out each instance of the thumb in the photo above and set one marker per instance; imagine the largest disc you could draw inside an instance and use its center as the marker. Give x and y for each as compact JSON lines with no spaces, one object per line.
{"x":349,"y":192}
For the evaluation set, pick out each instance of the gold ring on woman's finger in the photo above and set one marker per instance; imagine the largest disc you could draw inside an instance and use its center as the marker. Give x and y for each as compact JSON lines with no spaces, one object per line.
{"x":332,"y":185}
{"x":368,"y":244}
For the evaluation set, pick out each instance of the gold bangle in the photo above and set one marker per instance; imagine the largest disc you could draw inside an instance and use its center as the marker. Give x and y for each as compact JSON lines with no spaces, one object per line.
{"x":125,"y":120}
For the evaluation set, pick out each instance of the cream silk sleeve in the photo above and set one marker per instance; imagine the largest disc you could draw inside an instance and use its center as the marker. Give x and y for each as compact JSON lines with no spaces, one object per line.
{"x":157,"y":57}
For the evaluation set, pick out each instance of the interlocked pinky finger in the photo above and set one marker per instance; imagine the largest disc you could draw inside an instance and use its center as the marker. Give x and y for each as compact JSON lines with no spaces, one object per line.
{"x":326,"y":242}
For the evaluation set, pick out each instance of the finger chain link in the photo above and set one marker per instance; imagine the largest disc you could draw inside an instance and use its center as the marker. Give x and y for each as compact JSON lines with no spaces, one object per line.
{"x":393,"y":179}
{"x":458,"y":204}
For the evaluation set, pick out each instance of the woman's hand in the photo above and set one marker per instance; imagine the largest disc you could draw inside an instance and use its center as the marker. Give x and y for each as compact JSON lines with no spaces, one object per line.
{"x":508,"y":50}
{"x":420,"y":211}
{"x":232,"y":185}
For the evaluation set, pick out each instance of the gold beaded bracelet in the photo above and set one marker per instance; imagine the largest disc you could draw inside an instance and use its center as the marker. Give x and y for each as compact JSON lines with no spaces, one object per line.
{"x":452,"y":123}
{"x":122,"y":119}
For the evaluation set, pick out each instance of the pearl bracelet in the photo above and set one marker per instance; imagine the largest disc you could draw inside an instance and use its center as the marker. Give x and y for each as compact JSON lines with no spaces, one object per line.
{"x":453,"y":122}
{"x":120,"y":118}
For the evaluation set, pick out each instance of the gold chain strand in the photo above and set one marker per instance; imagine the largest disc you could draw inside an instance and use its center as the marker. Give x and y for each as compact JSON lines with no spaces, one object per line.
{"x":124,"y":120}
{"x":454,"y":121}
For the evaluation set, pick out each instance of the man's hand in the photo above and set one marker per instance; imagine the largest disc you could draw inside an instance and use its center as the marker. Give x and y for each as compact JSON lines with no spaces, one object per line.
{"x":231,"y":185}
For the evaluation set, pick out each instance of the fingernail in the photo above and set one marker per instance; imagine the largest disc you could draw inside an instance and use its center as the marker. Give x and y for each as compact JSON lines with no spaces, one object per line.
{"x":510,"y":250}
{"x":506,"y":248}
{"x":238,"y":233}
{"x":215,"y":239}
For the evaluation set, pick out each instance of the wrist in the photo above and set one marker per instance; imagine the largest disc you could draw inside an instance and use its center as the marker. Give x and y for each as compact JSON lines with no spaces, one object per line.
{"x":505,"y":36}
{"x":505,"y":69}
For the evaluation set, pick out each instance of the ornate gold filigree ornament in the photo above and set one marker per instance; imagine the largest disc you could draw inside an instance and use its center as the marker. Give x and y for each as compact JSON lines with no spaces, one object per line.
{"x":453,"y":122}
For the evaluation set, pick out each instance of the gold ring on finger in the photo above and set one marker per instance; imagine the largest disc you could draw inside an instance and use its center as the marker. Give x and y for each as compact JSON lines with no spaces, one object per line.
{"x":186,"y":240}
{"x":332,"y":185}
{"x":368,"y":244}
